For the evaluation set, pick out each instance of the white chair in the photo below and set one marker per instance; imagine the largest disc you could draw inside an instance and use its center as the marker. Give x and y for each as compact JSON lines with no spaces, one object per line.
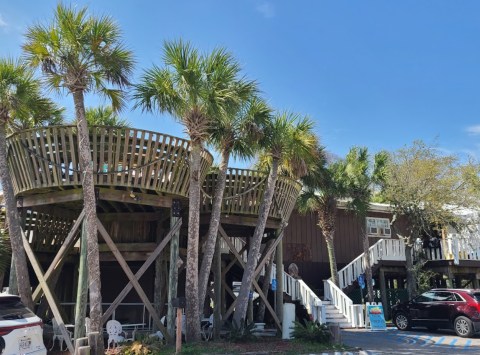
{"x":115,"y":331}
{"x":57,"y":335}
{"x":207,"y":328}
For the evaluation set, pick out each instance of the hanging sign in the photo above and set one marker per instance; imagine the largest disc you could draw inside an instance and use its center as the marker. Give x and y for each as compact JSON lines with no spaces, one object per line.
{"x":274,"y":284}
{"x":361,"y":281}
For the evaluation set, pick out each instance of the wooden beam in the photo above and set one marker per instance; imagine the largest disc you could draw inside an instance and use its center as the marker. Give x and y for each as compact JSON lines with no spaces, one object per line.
{"x":241,"y":220}
{"x":48,"y":294}
{"x":130,"y":247}
{"x":126,"y":216}
{"x":62,"y":252}
{"x":51,"y":198}
{"x":267,"y":254}
{"x":138,"y":198}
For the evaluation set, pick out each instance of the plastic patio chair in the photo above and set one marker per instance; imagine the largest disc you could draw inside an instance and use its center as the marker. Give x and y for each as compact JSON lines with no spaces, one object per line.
{"x":116,"y":334}
{"x":57,"y":335}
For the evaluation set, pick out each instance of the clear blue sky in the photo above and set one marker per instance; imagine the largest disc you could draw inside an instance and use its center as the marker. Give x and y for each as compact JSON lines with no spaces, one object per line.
{"x":372,"y":73}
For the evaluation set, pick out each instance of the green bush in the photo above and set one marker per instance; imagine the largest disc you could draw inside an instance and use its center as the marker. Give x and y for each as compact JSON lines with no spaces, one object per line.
{"x":312,"y":331}
{"x":240,"y":333}
{"x":145,"y":345}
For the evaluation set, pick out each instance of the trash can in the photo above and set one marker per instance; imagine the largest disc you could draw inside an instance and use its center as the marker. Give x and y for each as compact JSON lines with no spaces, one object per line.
{"x":288,"y":320}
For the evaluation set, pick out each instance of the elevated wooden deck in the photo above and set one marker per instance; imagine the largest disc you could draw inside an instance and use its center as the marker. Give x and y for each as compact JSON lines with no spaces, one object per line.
{"x":47,"y":159}
{"x":244,"y":192}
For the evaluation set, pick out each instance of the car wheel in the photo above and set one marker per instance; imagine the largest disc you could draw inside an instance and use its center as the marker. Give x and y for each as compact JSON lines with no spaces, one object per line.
{"x":463,"y":327}
{"x":402,"y":322}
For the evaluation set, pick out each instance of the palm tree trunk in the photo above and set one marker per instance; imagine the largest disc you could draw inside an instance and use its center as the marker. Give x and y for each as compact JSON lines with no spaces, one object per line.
{"x":266,"y":283}
{"x":411,"y":283}
{"x":253,"y":252}
{"x":209,"y":248}
{"x":90,"y":207}
{"x":332,"y":259}
{"x":368,"y":268}
{"x":14,"y":225}
{"x":192,"y":312}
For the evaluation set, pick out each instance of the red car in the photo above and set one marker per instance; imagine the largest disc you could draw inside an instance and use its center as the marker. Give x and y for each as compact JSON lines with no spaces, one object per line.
{"x":457,"y":309}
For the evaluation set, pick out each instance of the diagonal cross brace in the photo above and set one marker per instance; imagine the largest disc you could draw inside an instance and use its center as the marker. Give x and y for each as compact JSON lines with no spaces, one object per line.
{"x":48,"y":294}
{"x":131,"y":277}
{"x":69,"y":240}
{"x":121,"y":296}
{"x":254,"y":282}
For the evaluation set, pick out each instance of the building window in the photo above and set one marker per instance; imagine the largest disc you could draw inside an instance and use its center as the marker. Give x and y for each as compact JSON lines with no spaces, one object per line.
{"x":378,"y":227}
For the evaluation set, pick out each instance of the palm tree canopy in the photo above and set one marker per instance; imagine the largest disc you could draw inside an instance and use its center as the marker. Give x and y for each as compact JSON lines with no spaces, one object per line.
{"x":193,"y":87}
{"x":289,"y":138}
{"x":240,"y":131}
{"x":21,"y":102}
{"x":104,"y":116}
{"x":81,"y":52}
{"x":362,"y":177}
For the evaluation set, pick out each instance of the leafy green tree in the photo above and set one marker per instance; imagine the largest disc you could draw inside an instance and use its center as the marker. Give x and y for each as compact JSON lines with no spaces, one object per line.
{"x":81,"y":54}
{"x":427,"y":188}
{"x":20,"y":101}
{"x":194,"y":89}
{"x":235,"y":133}
{"x":289,"y":145}
{"x":323,"y":186}
{"x":361,"y":181}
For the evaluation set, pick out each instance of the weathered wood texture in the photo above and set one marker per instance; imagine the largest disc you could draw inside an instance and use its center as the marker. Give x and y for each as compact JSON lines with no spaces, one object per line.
{"x":47,"y":157}
{"x":244,"y":191}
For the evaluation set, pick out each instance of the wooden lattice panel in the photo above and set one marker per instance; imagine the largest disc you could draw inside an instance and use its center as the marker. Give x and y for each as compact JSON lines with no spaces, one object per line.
{"x":49,"y":157}
{"x":244,"y":192}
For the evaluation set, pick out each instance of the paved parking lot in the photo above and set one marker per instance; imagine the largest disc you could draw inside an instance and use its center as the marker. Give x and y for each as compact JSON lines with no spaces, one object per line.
{"x":418,"y":342}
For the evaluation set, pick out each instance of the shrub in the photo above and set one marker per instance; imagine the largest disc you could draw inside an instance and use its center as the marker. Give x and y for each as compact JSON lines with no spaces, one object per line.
{"x":146,"y":345}
{"x":312,"y":331}
{"x":240,"y":333}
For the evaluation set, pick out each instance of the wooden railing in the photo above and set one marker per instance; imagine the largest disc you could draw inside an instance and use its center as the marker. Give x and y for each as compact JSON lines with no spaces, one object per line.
{"x":244,"y":192}
{"x":48,"y":157}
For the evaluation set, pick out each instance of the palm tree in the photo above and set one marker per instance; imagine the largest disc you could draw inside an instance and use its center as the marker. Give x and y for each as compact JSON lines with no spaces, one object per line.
{"x":322,"y":187}
{"x":104,"y":116}
{"x":193,"y":88}
{"x":20,"y":101}
{"x":233,"y":134}
{"x":81,"y":54}
{"x":289,"y":145}
{"x":361,"y":179}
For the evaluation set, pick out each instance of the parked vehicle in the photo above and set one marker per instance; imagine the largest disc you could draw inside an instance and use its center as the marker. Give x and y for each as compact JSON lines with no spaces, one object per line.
{"x":21,"y":331}
{"x":457,"y":309}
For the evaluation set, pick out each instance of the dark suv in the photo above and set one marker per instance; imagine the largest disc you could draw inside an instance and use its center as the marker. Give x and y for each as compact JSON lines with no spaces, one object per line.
{"x":457,"y":309}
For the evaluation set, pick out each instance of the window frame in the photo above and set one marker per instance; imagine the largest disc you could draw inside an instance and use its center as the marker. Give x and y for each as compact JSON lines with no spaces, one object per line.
{"x":378,"y":227}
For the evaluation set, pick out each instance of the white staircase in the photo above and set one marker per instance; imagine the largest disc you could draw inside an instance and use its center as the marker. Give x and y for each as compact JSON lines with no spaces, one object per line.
{"x":334,"y":316}
{"x":384,"y":249}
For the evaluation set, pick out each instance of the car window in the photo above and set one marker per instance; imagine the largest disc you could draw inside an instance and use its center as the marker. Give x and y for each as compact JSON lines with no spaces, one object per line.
{"x":425,"y":297}
{"x":476,"y":296}
{"x":458,"y":298}
{"x":441,"y":296}
{"x":12,"y":308}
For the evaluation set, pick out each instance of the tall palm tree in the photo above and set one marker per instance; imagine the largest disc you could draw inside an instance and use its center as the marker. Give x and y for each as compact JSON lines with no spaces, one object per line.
{"x":233,"y":134}
{"x":83,"y":54}
{"x":361,"y":179}
{"x":20,"y":101}
{"x":193,"y":88}
{"x":289,"y":145}
{"x":322,"y":188}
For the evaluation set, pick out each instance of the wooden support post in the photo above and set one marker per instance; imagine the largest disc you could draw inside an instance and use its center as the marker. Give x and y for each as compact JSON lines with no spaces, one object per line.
{"x":82,"y":288}
{"x":178,"y":347}
{"x":131,"y":277}
{"x":93,"y":341}
{"x":217,"y":277}
{"x":383,"y":293}
{"x":161,"y":278}
{"x":224,"y":303}
{"x":48,"y":294}
{"x":173,"y":273}
{"x":279,"y":277}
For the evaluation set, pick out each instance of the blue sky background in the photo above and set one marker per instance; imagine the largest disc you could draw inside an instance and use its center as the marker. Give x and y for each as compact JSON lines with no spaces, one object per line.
{"x":371,"y":73}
